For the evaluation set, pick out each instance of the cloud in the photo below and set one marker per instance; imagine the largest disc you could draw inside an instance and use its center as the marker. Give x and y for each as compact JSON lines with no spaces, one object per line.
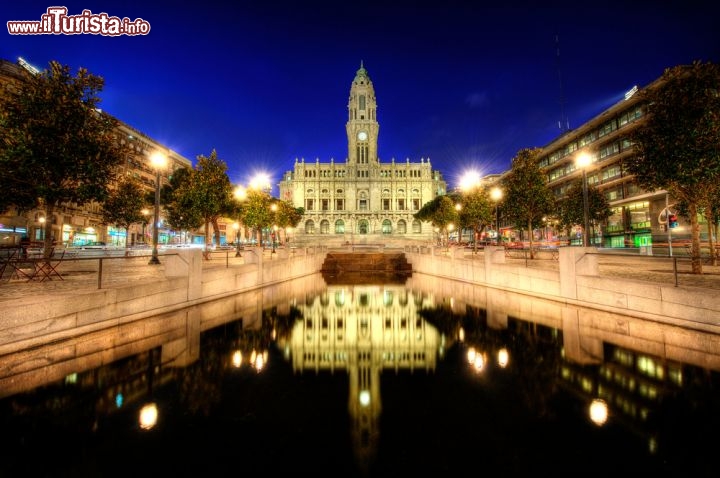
{"x":476,"y":100}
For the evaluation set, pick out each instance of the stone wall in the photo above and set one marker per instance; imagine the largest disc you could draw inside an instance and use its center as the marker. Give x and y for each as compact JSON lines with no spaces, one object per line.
{"x":577,"y":281}
{"x":25,"y":324}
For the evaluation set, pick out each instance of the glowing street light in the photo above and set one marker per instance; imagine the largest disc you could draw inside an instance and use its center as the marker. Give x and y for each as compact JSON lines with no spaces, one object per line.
{"x":496,"y":195}
{"x":261,"y":182}
{"x":41,"y":220}
{"x":158,"y":161}
{"x":145,"y":212}
{"x":469,"y":180}
{"x":582,"y":161}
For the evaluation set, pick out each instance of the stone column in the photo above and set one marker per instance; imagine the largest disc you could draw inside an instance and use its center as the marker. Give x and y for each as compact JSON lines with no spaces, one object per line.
{"x":493,"y":255}
{"x":573,"y":262}
{"x":186,"y":262}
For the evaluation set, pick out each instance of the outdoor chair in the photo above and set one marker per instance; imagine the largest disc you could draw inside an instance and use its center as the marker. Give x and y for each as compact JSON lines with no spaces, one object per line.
{"x":45,"y":269}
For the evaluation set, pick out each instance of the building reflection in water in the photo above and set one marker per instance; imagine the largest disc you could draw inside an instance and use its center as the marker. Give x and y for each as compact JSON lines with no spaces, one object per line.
{"x":655,"y":382}
{"x":364,"y":330}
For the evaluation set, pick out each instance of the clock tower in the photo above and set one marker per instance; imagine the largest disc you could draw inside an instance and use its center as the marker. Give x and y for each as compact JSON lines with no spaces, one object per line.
{"x":362,"y":126}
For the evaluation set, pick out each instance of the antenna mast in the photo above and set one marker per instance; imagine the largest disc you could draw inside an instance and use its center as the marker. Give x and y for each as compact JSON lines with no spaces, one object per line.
{"x":564,"y":123}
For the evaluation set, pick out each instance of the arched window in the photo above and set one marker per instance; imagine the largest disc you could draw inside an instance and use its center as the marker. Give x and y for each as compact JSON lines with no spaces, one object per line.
{"x":387,"y":227}
{"x":310,"y":227}
{"x":401,"y":227}
{"x":416,"y":227}
{"x":339,"y":227}
{"x":363,"y":227}
{"x":324,"y":226}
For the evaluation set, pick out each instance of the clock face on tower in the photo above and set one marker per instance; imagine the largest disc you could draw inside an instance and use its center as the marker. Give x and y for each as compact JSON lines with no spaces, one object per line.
{"x":362,"y":136}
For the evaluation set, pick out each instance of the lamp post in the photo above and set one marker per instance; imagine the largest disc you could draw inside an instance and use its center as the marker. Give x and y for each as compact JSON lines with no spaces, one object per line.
{"x":496,"y":195}
{"x":458,"y":208}
{"x":158,"y":161}
{"x":583,"y":161}
{"x":41,"y":220}
{"x":274,"y":237}
{"x":236,"y":227}
{"x":273,"y":208}
{"x":240,"y":195}
{"x":145,"y":212}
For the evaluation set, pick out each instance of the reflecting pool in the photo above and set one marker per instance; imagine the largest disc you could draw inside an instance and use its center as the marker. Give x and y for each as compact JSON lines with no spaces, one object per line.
{"x":390,"y":378}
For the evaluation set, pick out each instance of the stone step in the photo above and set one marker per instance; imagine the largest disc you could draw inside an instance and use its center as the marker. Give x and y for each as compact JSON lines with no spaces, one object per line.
{"x":366,"y":262}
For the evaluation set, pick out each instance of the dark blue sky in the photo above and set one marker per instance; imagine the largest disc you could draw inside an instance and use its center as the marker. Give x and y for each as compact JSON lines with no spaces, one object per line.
{"x":264,"y":82}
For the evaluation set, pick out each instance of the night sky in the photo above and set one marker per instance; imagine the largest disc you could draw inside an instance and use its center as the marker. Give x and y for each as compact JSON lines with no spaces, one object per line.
{"x":462,"y":83}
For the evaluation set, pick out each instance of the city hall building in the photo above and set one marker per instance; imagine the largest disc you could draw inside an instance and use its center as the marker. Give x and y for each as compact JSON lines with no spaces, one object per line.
{"x":362,"y":199}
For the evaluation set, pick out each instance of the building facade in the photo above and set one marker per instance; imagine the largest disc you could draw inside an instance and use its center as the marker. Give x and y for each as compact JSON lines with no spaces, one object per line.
{"x":639,"y":217}
{"x":363,"y":199}
{"x":80,"y":224}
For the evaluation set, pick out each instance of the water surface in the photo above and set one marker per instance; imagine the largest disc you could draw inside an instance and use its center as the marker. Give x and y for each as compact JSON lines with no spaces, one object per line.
{"x":426,"y":377}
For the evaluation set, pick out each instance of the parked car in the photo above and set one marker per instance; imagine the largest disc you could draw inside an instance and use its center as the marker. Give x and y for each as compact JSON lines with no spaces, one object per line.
{"x":94,"y":245}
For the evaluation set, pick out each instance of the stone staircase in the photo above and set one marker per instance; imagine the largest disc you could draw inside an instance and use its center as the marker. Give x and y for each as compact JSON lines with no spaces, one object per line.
{"x":340,"y":267}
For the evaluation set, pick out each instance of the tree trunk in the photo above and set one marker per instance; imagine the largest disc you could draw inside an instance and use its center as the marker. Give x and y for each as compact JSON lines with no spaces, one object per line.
{"x":216,"y":231}
{"x":530,"y":238}
{"x":207,"y":237}
{"x":48,"y":242}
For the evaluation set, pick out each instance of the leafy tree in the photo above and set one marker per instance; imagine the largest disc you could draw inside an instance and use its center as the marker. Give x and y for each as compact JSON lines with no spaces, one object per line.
{"x":180,"y":211}
{"x":124,"y":205}
{"x":678,"y":145}
{"x":571,"y":209}
{"x":440,"y":212}
{"x":477,"y":211}
{"x":287,"y":215}
{"x":209,"y":193}
{"x":527,"y":198}
{"x":55,"y":145}
{"x":256,"y":211}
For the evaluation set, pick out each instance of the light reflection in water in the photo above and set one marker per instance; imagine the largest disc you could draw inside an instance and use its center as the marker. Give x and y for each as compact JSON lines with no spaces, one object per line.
{"x":219,"y":355}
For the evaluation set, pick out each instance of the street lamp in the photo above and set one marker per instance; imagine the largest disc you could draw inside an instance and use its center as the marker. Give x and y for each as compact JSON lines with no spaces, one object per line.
{"x":145,"y":212}
{"x":274,"y":238}
{"x":41,"y":220}
{"x":458,"y":208}
{"x":496,"y":195}
{"x":158,"y":161}
{"x":236,"y":227}
{"x":582,"y":161}
{"x":240,"y":194}
{"x":273,"y":208}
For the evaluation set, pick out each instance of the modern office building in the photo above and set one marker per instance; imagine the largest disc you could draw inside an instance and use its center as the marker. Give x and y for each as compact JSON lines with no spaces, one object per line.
{"x":79,"y":224}
{"x":361,"y":199}
{"x":639,"y":216}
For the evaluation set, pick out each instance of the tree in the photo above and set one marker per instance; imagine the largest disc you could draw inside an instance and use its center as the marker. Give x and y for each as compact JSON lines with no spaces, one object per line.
{"x":477,"y":211}
{"x":123,"y":206}
{"x":180,"y":211}
{"x":571,"y":208}
{"x":678,"y":145}
{"x":256,"y":212}
{"x":440,"y":212}
{"x":287,"y":215}
{"x":209,"y":193}
{"x":527,"y":198}
{"x":55,"y":145}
